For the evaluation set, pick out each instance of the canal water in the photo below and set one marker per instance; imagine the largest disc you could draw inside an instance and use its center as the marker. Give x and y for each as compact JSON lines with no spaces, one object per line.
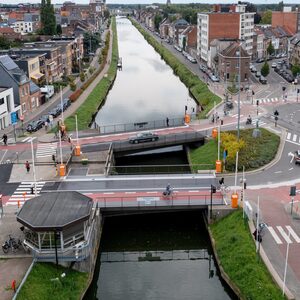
{"x":146,"y":89}
{"x":157,"y":256}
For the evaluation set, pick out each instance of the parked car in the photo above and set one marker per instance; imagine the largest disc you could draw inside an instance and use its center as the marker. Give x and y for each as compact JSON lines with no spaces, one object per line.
{"x":259,"y":60}
{"x":257,"y":74}
{"x":43,"y":119}
{"x":185,"y":54}
{"x":297,"y":157}
{"x":55,"y":112}
{"x":66,"y":103}
{"x":192,"y":59}
{"x":214,"y":78}
{"x":274,"y":65}
{"x":34,"y":126}
{"x":142,"y":137}
{"x":253,"y":69}
{"x":262,"y":80}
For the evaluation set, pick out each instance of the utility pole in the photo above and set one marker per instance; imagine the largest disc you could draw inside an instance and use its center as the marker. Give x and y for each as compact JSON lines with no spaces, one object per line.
{"x":239,"y":96}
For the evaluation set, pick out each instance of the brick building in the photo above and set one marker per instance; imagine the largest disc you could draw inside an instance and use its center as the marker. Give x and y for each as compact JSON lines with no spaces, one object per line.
{"x":224,"y":22}
{"x":287,"y":19}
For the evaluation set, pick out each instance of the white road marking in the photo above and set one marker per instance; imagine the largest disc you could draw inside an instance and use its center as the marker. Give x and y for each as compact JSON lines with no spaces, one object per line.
{"x":291,"y":169}
{"x":288,"y":135}
{"x":277,"y":172}
{"x":284,"y":235}
{"x":130,"y":192}
{"x":109,"y":193}
{"x":193,"y":191}
{"x":151,"y":192}
{"x":294,"y":137}
{"x":3,"y":156}
{"x":293,"y":234}
{"x":274,"y":234}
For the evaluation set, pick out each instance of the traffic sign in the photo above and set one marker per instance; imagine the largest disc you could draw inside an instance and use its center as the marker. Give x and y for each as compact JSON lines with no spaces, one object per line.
{"x":13,"y":117}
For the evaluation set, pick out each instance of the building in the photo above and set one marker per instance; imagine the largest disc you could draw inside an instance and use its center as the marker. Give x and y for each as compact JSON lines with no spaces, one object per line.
{"x":232,"y":61}
{"x":23,"y":27}
{"x":287,"y":19}
{"x":258,"y":43}
{"x":176,"y":28}
{"x":7,"y":106}
{"x":9,"y":33}
{"x":188,"y":38}
{"x":295,"y":50}
{"x":225,"y":21}
{"x":12,"y":76}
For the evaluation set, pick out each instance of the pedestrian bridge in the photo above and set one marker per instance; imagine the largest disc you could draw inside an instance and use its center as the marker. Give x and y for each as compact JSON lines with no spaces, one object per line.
{"x":121,"y":148}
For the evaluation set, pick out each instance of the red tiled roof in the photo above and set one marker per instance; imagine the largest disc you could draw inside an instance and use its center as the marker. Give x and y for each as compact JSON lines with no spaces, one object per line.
{"x":6,"y":30}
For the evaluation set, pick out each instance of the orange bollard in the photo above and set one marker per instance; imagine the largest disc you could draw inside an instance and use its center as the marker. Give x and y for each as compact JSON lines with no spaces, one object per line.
{"x":234,"y":200}
{"x":18,"y":203}
{"x":13,"y":285}
{"x":218,"y":166}
{"x":187,"y":119}
{"x":214,"y":133}
{"x":77,"y":150}
{"x":62,"y":170}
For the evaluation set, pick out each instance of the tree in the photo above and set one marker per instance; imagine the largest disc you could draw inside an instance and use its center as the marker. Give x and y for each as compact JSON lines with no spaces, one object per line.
{"x":157,"y":19}
{"x":296,"y":69}
{"x":270,"y":49}
{"x":106,"y":14}
{"x":267,"y":17}
{"x":82,"y":77}
{"x":265,"y":69}
{"x":48,"y":18}
{"x":58,"y":29}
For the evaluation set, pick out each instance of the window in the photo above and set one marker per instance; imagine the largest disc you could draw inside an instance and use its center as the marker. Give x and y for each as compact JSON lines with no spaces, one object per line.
{"x":8,"y":103}
{"x":23,"y":107}
{"x":1,"y":101}
{"x":33,"y":102}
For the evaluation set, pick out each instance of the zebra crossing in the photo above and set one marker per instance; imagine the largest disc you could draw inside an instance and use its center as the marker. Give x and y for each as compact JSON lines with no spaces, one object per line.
{"x":23,"y":192}
{"x":46,"y":150}
{"x":293,"y":138}
{"x":260,"y":122}
{"x":284,"y":235}
{"x":28,"y":139}
{"x":260,"y":101}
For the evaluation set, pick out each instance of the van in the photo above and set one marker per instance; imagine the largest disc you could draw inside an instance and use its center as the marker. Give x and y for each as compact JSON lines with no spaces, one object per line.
{"x":48,"y":91}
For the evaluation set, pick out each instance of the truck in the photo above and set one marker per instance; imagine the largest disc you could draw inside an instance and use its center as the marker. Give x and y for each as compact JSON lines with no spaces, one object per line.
{"x":48,"y":91}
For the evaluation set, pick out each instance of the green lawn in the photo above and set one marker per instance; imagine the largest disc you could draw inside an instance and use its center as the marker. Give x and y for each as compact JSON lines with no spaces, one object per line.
{"x":237,"y":254}
{"x":256,"y":153}
{"x":41,"y":286}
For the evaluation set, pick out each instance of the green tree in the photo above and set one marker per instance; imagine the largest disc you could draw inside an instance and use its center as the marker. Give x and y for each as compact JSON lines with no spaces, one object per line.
{"x":48,"y":18}
{"x":267,"y":17}
{"x":82,"y":77}
{"x":157,"y":19}
{"x":295,"y":69}
{"x":106,"y":14}
{"x":270,"y":49}
{"x":58,"y":29}
{"x":265,"y":69}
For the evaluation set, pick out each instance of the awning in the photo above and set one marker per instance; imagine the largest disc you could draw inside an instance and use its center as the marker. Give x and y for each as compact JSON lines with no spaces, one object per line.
{"x":37,"y":76}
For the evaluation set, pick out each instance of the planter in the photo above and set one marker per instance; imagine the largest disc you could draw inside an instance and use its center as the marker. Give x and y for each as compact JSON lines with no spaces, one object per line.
{"x":85,"y":161}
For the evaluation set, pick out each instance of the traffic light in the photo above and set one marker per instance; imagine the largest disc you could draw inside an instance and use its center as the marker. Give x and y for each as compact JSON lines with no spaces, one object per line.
{"x":213,"y":189}
{"x":276,"y":113}
{"x":253,"y":93}
{"x":245,"y":185}
{"x":293,"y":190}
{"x":257,"y":102}
{"x":298,"y":91}
{"x":283,"y":88}
{"x":221,"y":181}
{"x":185,"y":108}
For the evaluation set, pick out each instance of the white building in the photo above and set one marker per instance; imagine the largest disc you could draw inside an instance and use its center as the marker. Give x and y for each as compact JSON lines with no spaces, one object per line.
{"x":225,"y":22}
{"x":7,"y":106}
{"x":23,"y":27}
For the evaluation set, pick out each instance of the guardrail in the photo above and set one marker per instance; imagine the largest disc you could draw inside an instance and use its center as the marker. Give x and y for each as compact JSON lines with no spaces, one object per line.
{"x":141,"y":125}
{"x":108,"y":160}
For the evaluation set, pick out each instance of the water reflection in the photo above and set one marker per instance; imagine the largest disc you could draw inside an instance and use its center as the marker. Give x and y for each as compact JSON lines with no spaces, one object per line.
{"x":146,"y":89}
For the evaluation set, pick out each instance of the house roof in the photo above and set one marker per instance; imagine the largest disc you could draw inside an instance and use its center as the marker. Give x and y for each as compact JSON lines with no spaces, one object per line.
{"x":188,"y":29}
{"x":33,"y":87}
{"x":232,"y":49}
{"x":55,"y":211}
{"x":6,"y":30}
{"x":181,"y":22}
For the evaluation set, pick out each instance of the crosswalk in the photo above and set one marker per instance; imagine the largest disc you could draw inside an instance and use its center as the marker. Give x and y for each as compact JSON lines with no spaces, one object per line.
{"x":260,"y":101}
{"x":293,"y":138}
{"x":260,"y":122}
{"x":284,"y":234}
{"x":28,"y":139}
{"x":23,"y":192}
{"x":46,"y":149}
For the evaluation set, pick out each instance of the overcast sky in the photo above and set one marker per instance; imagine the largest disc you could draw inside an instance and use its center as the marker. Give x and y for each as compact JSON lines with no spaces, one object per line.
{"x":157,"y":1}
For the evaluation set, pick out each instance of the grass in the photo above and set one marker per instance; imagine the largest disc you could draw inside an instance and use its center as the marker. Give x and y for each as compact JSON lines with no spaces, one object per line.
{"x":256,"y":152}
{"x":197,"y":88}
{"x":39,"y":285}
{"x":236,"y":251}
{"x":89,"y":108}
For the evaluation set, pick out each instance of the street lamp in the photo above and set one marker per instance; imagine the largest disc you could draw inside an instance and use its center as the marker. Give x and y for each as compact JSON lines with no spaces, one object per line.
{"x":239,"y":94}
{"x":33,"y":167}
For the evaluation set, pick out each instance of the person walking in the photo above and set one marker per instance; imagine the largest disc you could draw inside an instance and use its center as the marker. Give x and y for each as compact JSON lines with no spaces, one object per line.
{"x":167,"y":121}
{"x":27,"y":166}
{"x":4,"y":138}
{"x":46,"y":126}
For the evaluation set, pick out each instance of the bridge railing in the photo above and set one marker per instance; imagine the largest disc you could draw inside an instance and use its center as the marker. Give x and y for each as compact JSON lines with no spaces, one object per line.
{"x":141,"y":125}
{"x":159,"y":201}
{"x":161,"y":169}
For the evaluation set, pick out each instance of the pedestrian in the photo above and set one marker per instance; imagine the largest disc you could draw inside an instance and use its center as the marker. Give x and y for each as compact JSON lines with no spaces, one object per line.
{"x":46,"y":126}
{"x":167,"y":121}
{"x":32,"y":189}
{"x":4,"y":138}
{"x":27,"y":166}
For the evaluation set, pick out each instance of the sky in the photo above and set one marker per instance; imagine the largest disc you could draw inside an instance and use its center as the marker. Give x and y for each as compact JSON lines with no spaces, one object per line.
{"x":156,"y":1}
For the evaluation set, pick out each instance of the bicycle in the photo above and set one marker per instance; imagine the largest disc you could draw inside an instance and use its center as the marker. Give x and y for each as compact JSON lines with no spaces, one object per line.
{"x":224,"y":189}
{"x":12,"y":243}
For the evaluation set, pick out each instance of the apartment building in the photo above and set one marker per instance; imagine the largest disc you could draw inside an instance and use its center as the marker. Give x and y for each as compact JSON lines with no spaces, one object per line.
{"x":225,"y":21}
{"x":287,"y":19}
{"x":7,"y":106}
{"x":23,"y":27}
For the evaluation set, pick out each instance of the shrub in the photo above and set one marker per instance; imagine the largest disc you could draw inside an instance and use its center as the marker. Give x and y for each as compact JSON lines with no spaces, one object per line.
{"x":91,"y":70}
{"x":73,"y":97}
{"x":72,"y":86}
{"x":82,"y":77}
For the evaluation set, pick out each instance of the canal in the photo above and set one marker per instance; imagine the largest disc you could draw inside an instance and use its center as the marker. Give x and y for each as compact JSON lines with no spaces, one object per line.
{"x":146,"y":89}
{"x":157,"y":256}
{"x":151,"y":256}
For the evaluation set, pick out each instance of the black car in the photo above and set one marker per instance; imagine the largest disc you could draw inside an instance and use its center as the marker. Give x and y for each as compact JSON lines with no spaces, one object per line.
{"x":34,"y":126}
{"x":228,"y":105}
{"x":297,"y":157}
{"x":43,"y":119}
{"x":55,"y":112}
{"x":66,"y":103}
{"x":142,"y":137}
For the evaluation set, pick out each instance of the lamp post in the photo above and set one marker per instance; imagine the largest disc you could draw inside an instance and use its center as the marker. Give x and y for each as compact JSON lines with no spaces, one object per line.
{"x":62,"y":106}
{"x":239,"y":94}
{"x":33,"y":167}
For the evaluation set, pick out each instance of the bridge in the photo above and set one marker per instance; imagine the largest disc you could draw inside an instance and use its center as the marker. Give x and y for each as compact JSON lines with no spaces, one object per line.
{"x":121,"y":148}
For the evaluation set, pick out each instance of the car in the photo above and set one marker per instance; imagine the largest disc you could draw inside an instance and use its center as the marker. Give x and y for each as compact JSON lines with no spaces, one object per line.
{"x":192,"y":60}
{"x":228,"y":105}
{"x":262,"y":80}
{"x":274,"y":65}
{"x":253,"y":69}
{"x":142,"y":137}
{"x":297,"y":157}
{"x":257,"y":74}
{"x":55,"y":112}
{"x":185,"y":54}
{"x":66,"y":103}
{"x":34,"y":126}
{"x":259,"y":60}
{"x":43,"y":119}
{"x":214,"y":78}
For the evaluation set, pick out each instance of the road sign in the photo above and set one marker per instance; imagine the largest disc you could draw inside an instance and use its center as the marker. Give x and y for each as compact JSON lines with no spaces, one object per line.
{"x":13,"y":117}
{"x":147,"y":200}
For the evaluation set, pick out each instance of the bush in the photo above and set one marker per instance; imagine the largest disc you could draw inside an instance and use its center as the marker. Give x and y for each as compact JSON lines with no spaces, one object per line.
{"x":82,"y":77}
{"x":73,"y":97}
{"x":72,"y":86}
{"x":91,"y":70}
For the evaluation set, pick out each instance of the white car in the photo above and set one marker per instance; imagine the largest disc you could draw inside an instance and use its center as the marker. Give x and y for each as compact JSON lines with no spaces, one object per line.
{"x":274,"y":65}
{"x":214,"y":78}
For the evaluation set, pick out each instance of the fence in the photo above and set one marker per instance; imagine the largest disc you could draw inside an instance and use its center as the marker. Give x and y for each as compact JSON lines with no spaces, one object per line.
{"x":143,"y":125}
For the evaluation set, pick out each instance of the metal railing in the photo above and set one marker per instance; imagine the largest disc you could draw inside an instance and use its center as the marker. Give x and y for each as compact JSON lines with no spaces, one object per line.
{"x":141,"y":125}
{"x":159,"y":201}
